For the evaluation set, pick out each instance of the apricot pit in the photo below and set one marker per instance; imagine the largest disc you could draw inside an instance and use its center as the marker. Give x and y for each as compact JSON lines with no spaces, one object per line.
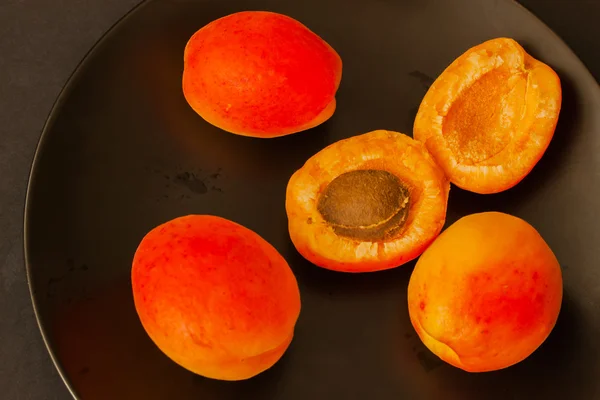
{"x":365,"y":204}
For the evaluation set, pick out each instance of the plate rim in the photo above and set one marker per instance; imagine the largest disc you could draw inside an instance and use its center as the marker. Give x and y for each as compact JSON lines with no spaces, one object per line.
{"x":61,"y":97}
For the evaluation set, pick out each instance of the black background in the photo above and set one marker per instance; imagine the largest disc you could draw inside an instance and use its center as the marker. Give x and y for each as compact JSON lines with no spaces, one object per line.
{"x":41,"y":42}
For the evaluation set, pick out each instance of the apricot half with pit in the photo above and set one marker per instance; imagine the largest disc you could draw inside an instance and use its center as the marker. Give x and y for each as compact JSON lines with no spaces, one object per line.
{"x":214,"y":296}
{"x":261,"y":74}
{"x":370,"y":202}
{"x":490,"y":116}
{"x":486,"y":293}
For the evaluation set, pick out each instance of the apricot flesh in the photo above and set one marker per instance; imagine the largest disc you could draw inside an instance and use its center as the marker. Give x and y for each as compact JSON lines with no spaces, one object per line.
{"x":214,"y":296}
{"x":367,"y":203}
{"x":486,"y":293}
{"x":261,"y":74}
{"x":490,"y":116}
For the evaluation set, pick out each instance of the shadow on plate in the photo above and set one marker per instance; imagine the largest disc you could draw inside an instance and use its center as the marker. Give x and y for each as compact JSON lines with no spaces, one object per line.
{"x":557,"y":360}
{"x":106,"y":354}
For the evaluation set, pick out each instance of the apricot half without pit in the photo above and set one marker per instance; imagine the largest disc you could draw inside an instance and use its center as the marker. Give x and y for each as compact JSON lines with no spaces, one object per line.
{"x":261,"y":74}
{"x":367,"y":203}
{"x":490,"y":116}
{"x":486,"y":293}
{"x":214,"y":296}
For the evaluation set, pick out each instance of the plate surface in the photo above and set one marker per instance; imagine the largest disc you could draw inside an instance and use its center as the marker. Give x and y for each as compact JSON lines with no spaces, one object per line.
{"x":122,"y":152}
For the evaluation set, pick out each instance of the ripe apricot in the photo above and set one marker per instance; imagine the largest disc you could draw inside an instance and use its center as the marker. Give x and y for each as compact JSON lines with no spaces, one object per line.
{"x":486,"y":293}
{"x":489,"y":117}
{"x":370,"y":202}
{"x":261,"y":74}
{"x":214,"y":296}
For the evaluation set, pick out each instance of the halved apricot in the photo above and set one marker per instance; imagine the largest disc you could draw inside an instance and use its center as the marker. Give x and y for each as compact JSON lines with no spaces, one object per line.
{"x":371,"y":202}
{"x":489,"y":117}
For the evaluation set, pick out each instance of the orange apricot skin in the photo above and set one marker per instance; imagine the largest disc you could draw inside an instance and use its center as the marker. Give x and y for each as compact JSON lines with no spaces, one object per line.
{"x":261,"y":74}
{"x":214,"y":296}
{"x":486,"y":293}
{"x":381,"y":149}
{"x":533,"y":117}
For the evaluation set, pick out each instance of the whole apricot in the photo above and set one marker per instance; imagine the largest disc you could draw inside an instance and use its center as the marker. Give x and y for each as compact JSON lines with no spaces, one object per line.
{"x":486,"y":293}
{"x":367,"y":203}
{"x":214,"y":296}
{"x":490,"y":116}
{"x":261,"y":74}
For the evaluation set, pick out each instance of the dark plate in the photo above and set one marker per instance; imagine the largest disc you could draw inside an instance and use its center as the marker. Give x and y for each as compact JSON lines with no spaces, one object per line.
{"x":123,"y":152}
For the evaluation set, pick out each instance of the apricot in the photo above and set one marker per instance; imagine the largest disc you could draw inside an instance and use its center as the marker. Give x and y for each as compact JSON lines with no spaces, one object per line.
{"x":486,"y":293}
{"x":214,"y":296}
{"x":370,"y":202}
{"x":490,"y":116}
{"x":261,"y":74}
